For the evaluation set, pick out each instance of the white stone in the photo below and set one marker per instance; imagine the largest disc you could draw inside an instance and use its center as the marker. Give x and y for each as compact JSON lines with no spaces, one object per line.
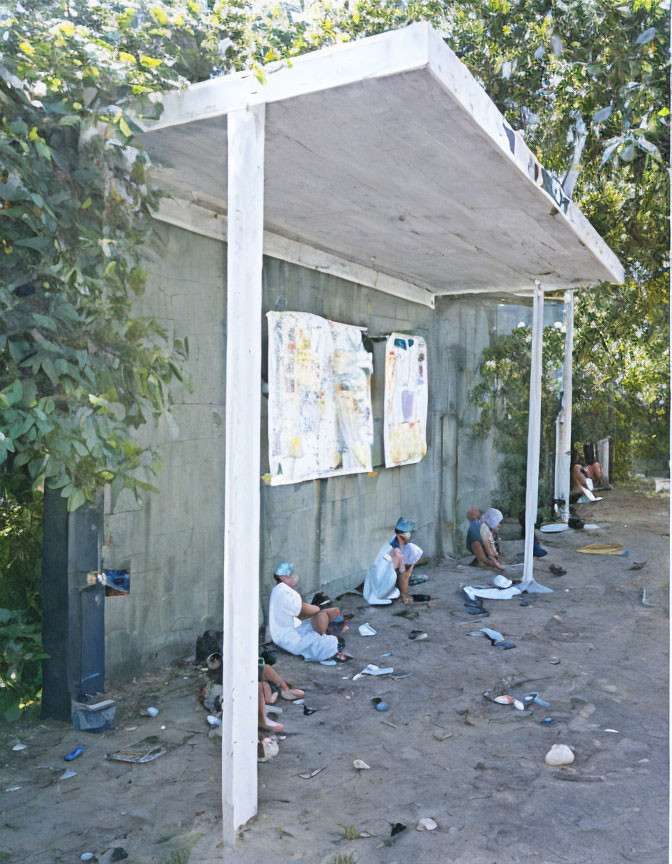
{"x":426,"y":824}
{"x":559,"y":754}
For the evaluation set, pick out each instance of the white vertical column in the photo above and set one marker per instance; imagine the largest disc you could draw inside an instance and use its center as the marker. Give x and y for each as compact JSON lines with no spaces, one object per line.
{"x":533,"y":441}
{"x":565,"y":444}
{"x":245,"y":223}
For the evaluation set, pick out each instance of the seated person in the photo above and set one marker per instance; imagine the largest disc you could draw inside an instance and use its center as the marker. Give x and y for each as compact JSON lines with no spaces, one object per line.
{"x":584,"y":477}
{"x":387,"y":578}
{"x":310,"y":638}
{"x":474,"y":513}
{"x":263,"y":722}
{"x":481,"y":540}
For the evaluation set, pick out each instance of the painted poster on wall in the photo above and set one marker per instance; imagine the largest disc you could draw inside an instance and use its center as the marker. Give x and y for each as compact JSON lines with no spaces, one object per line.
{"x":320,"y":421}
{"x":406,"y":391}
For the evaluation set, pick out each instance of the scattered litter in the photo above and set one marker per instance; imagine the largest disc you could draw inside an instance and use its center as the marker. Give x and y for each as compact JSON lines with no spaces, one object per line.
{"x":546,"y":721}
{"x":312,"y":773}
{"x":151,"y":711}
{"x":19,"y":747}
{"x":389,"y":654}
{"x":387,"y":723}
{"x":503,"y":645}
{"x":96,"y":717}
{"x":379,"y":704}
{"x":141,"y":755}
{"x":603,"y":549}
{"x":612,"y":730}
{"x":421,"y":598}
{"x":366,"y":630}
{"x":556,"y":570}
{"x":214,"y":721}
{"x":87,"y":856}
{"x":163,"y":727}
{"x":554,"y":527}
{"x":638,"y":565}
{"x":401,"y":675}
{"x":534,"y":697}
{"x":352,"y":833}
{"x":308,"y":711}
{"x":360,"y":765}
{"x":269,"y":748}
{"x":554,"y":661}
{"x":397,"y":828}
{"x":493,"y":635}
{"x":418,"y":580}
{"x":591,"y":526}
{"x":473,"y":592}
{"x":559,"y":754}
{"x":645,"y":602}
{"x":74,"y":754}
{"x":444,"y":737}
{"x":372,"y":669}
{"x":411,"y":614}
{"x":426,"y":824}
{"x":417,"y":635}
{"x":298,"y":701}
{"x":273,"y":709}
{"x":67,"y":774}
{"x":501,"y":581}
{"x":13,"y":788}
{"x":328,"y":663}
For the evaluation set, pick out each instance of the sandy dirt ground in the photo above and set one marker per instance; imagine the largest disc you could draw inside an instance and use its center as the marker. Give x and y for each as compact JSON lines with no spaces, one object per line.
{"x":442,"y":750}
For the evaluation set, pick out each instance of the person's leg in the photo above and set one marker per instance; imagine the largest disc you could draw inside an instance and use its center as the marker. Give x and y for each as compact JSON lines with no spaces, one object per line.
{"x":479,"y":552}
{"x":578,"y":480}
{"x":402,"y":584}
{"x":262,"y":721}
{"x":269,"y":695}
{"x":287,"y":692}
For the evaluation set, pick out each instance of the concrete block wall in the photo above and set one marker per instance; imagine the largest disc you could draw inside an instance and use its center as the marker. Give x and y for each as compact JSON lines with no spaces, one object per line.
{"x":330,"y":528}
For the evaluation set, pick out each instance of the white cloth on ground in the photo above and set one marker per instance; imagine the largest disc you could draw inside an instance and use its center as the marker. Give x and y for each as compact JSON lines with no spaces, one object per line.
{"x":380,"y":585}
{"x":283,"y":607}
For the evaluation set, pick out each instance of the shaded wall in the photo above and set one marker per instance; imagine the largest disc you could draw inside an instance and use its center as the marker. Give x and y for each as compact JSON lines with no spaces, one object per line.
{"x":330,"y":528}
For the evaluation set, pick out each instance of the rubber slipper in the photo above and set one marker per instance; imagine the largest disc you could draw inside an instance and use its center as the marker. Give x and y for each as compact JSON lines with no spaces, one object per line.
{"x":503,"y":645}
{"x":421,"y":598}
{"x":292,"y":695}
{"x":342,"y":657}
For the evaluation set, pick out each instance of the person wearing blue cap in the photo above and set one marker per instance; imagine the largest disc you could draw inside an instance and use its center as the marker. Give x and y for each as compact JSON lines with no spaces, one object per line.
{"x":298,"y":627}
{"x":387,"y":578}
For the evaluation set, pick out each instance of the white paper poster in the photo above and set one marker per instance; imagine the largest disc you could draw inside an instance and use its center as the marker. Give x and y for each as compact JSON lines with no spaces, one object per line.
{"x":406,"y":393}
{"x":320,"y":421}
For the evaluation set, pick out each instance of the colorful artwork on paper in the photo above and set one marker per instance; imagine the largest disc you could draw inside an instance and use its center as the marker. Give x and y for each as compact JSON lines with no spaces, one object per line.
{"x":406,"y":391}
{"x":320,"y":421}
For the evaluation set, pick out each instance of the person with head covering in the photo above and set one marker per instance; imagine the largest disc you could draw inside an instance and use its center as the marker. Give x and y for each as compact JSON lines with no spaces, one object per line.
{"x":481,"y":539}
{"x":298,"y":627}
{"x":387,"y":578}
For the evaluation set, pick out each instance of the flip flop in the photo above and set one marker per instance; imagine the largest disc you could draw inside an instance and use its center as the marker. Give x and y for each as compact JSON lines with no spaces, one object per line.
{"x":342,"y":657}
{"x":292,"y":695}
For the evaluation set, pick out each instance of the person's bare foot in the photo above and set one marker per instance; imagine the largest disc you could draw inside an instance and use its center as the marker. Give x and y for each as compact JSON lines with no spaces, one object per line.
{"x":405,"y":601}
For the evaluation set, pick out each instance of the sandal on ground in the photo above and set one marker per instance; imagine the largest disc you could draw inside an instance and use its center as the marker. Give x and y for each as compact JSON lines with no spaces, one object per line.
{"x":292,"y":695}
{"x":342,"y":657}
{"x":270,"y":726}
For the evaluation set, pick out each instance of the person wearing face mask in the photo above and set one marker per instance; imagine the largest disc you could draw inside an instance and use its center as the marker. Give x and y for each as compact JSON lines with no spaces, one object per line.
{"x":387,"y":578}
{"x":309,"y":637}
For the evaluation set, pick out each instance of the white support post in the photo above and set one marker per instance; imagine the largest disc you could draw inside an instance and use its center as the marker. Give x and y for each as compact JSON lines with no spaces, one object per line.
{"x":565,"y":443}
{"x":533,"y":443}
{"x":242,"y":482}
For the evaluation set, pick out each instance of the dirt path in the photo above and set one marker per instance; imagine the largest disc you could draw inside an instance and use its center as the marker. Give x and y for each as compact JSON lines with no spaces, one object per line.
{"x":441,"y":750}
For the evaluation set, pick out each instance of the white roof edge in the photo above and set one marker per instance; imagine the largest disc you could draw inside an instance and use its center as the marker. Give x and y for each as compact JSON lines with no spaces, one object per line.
{"x":414,"y":47}
{"x":372,"y":57}
{"x":455,"y":78}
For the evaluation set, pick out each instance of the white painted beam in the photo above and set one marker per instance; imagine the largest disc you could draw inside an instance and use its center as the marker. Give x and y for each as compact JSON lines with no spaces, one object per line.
{"x":209,"y":223}
{"x":533,"y":443}
{"x":564,"y":456}
{"x":242,"y":468}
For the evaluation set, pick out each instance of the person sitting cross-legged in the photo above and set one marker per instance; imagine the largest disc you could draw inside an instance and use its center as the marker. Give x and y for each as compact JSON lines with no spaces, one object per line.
{"x":298,"y":627}
{"x":387,"y":578}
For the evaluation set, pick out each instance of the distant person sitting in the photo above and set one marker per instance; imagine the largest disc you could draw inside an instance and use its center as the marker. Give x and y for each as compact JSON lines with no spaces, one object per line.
{"x":481,"y":538}
{"x":387,"y":578}
{"x":584,"y":477}
{"x":301,"y":628}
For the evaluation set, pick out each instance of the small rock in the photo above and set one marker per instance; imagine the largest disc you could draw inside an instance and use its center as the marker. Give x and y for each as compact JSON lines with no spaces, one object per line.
{"x":360,"y":765}
{"x":426,"y":824}
{"x":554,"y":661}
{"x":559,"y":754}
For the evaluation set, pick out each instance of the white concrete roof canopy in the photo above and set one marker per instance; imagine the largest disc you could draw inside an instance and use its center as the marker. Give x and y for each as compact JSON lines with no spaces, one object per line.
{"x":386,"y":152}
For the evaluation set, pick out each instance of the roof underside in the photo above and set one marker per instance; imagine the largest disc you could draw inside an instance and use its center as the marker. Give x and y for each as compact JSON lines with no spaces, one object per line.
{"x":414,"y":174}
